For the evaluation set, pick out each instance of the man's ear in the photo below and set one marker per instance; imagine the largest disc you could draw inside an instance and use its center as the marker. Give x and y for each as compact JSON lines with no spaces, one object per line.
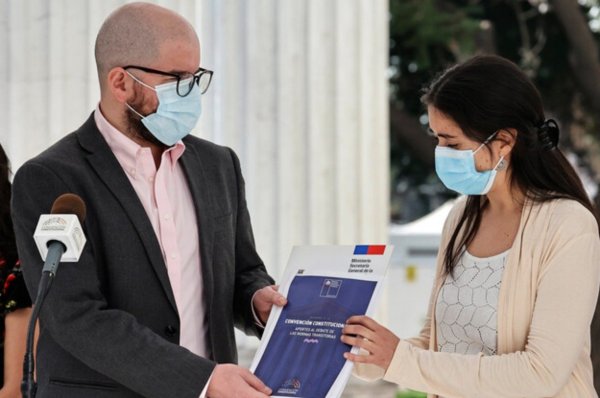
{"x":118,"y":84}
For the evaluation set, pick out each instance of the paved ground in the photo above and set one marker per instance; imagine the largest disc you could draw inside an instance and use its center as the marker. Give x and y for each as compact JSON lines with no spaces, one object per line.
{"x":356,"y":388}
{"x":359,"y":389}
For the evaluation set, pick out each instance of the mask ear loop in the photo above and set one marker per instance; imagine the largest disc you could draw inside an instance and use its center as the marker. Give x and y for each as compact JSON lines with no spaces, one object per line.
{"x":143,"y":84}
{"x":139,"y":81}
{"x":501,"y":165}
{"x":134,"y":111}
{"x":486,"y":141}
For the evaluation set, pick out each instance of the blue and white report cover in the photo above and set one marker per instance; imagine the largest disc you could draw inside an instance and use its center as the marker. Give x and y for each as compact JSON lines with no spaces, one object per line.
{"x":301,"y":354}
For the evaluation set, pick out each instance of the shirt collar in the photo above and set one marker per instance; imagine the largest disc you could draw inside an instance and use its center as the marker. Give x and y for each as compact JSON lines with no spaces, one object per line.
{"x":129,"y":153}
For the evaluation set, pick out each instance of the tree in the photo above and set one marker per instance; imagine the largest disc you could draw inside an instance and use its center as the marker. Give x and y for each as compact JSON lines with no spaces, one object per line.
{"x":552,"y":40}
{"x":423,"y":39}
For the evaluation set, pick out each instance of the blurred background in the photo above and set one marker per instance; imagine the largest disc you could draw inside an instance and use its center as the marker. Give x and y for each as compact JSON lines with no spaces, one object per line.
{"x":555,"y":42}
{"x":320,"y":99}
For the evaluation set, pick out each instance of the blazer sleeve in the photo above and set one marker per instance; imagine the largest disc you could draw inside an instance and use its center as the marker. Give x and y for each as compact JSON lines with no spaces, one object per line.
{"x":566,"y":299}
{"x":76,"y":315}
{"x":250,"y":272}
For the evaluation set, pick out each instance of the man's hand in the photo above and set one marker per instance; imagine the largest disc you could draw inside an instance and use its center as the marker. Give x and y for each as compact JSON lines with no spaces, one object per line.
{"x":229,"y":381}
{"x":264,"y":299}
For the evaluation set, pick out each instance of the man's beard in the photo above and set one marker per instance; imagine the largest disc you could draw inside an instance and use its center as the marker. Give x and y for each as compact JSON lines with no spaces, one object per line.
{"x":136,"y":128}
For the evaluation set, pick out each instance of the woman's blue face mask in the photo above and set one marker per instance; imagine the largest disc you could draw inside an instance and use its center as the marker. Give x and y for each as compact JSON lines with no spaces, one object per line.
{"x":456,"y":169}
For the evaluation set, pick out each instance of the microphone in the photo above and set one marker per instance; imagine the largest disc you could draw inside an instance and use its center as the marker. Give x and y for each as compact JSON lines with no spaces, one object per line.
{"x":59,"y":237}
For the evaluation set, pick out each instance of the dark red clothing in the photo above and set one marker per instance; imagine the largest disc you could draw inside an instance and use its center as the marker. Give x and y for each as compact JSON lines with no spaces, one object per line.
{"x":13,"y":295}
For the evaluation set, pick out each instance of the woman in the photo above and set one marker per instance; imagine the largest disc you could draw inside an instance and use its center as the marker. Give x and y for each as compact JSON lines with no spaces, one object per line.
{"x":518,"y":269}
{"x":14,"y":300}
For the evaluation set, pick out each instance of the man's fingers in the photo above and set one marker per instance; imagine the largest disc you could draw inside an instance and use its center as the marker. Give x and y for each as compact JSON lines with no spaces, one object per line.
{"x":256,"y":394}
{"x":274,"y":297}
{"x":256,"y":383}
{"x":230,"y":380}
{"x":252,"y":393}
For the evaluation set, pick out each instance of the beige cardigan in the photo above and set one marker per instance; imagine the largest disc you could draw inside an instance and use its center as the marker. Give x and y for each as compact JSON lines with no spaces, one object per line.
{"x":545,"y":306}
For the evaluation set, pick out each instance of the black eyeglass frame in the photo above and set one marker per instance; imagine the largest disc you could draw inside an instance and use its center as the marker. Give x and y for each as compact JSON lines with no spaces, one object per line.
{"x":195,"y":77}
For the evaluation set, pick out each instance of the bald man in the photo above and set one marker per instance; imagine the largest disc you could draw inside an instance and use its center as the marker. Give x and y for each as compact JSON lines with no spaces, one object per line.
{"x":170,"y":264}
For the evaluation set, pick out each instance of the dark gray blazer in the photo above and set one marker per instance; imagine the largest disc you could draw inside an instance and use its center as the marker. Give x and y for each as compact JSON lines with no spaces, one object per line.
{"x":109,"y":326}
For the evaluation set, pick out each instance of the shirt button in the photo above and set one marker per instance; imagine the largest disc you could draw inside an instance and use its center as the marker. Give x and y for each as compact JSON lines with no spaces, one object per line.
{"x":173,"y":256}
{"x":167,"y":217}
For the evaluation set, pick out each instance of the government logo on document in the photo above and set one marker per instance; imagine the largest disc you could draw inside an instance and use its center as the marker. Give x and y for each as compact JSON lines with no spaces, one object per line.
{"x":331,"y":288}
{"x":290,"y":386}
{"x":369,"y":250}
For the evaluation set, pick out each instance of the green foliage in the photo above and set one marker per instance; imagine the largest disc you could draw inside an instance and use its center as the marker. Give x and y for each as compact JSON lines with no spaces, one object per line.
{"x":422,"y":39}
{"x":411,"y":394}
{"x":423,"y":27}
{"x":426,"y":36}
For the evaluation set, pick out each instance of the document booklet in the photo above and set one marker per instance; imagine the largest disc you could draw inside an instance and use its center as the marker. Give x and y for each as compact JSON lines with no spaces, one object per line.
{"x":301,"y":354}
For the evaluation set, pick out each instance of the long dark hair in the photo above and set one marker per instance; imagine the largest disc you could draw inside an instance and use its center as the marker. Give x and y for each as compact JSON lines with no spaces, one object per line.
{"x":486,"y":94}
{"x":8,"y":248}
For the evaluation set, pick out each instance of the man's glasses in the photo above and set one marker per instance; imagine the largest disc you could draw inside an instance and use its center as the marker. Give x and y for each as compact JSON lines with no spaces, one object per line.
{"x":185,"y":81}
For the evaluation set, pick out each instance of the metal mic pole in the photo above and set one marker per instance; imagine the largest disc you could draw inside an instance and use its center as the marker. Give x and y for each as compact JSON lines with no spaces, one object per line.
{"x":28,"y":384}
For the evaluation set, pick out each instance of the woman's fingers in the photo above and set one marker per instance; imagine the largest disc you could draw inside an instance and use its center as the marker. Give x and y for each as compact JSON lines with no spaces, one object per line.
{"x":360,"y":343}
{"x":358,"y":330}
{"x":378,"y":341}
{"x":359,"y":358}
{"x":363,"y":320}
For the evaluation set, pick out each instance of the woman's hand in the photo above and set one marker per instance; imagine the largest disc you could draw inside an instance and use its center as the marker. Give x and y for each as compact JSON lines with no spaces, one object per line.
{"x":365,"y":333}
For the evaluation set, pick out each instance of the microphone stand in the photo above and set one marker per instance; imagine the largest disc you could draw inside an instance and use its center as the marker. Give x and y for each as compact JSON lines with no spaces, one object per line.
{"x":28,"y":384}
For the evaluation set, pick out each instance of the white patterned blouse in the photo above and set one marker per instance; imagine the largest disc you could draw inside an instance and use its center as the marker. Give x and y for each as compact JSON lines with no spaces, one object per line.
{"x":466,"y":311}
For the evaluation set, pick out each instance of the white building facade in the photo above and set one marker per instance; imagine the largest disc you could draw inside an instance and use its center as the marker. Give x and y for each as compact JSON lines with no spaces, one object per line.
{"x":299,"y":91}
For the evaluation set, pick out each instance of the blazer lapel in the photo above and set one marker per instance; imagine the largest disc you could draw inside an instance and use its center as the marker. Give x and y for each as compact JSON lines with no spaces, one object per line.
{"x":204,"y":205}
{"x":111,"y":173}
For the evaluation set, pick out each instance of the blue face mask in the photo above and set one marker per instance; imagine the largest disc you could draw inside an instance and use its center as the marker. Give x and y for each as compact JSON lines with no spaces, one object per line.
{"x":175,"y":116}
{"x":457,"y":170}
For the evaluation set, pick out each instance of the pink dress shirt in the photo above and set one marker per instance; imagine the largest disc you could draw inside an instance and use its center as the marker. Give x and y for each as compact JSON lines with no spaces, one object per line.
{"x":166,"y":197}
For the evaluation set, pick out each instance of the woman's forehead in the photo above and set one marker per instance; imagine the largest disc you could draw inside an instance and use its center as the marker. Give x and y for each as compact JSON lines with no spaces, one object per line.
{"x":440,"y":123}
